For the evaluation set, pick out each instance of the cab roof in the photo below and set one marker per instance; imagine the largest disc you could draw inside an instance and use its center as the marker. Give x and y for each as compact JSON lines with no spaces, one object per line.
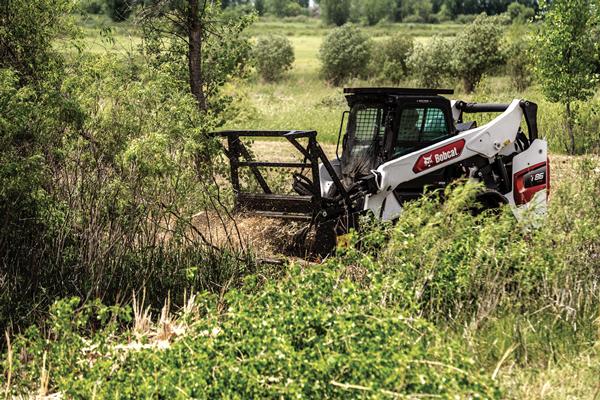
{"x":392,"y":95}
{"x":393,"y":91}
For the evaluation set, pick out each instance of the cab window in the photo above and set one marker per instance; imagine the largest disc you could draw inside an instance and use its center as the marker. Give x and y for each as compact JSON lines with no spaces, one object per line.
{"x":419,"y":127}
{"x":364,"y":138}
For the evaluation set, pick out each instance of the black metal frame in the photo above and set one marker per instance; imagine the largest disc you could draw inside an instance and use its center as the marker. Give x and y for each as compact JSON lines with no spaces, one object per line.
{"x":392,"y":91}
{"x":277,"y":205}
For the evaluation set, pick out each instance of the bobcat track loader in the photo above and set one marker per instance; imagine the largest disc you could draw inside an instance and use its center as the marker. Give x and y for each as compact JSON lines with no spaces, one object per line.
{"x":396,"y":143}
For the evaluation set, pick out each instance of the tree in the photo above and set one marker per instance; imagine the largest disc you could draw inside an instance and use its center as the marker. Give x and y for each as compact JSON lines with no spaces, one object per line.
{"x":476,"y":50}
{"x":429,"y":63}
{"x":119,"y":10}
{"x":391,"y":57}
{"x":27,"y":29}
{"x":519,"y":12}
{"x":566,"y":54}
{"x":517,"y":49}
{"x":259,"y":5}
{"x":377,"y":10}
{"x":284,"y":8}
{"x":345,"y":53}
{"x":36,"y":115}
{"x":273,"y":56}
{"x":194,"y":30}
{"x":335,"y":11}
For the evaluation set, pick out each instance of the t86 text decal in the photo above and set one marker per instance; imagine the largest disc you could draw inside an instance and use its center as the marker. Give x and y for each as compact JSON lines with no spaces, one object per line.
{"x":438,"y":156}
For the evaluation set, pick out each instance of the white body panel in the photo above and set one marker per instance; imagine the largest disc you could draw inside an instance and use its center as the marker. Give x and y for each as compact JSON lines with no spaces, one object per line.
{"x":325,"y":180}
{"x":496,"y":137}
{"x":537,"y":153}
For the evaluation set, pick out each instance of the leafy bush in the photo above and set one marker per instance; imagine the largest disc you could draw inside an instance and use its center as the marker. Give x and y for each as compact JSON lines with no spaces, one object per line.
{"x":468,"y":270}
{"x":429,"y":64}
{"x":415,"y":11}
{"x":293,"y":337}
{"x":517,"y":51}
{"x":102,"y":167}
{"x":390,"y":59}
{"x":465,"y":18}
{"x":259,"y":5}
{"x":377,"y":10}
{"x":414,"y":19}
{"x":92,"y":6}
{"x":344,"y":54}
{"x":476,"y":50}
{"x":587,"y":127}
{"x":520,"y":13}
{"x":284,"y":8}
{"x":331,"y":332}
{"x":273,"y":56}
{"x":444,"y":14}
{"x":235,"y":12}
{"x":336,"y":12}
{"x":119,"y":10}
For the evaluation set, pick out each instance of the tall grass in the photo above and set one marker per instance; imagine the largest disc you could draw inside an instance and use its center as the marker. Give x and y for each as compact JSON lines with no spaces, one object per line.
{"x":442,"y":303}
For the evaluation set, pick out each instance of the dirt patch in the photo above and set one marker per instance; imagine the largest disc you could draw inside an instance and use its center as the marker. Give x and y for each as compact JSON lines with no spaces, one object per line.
{"x":265,"y":237}
{"x":563,"y":166}
{"x":283,"y":151}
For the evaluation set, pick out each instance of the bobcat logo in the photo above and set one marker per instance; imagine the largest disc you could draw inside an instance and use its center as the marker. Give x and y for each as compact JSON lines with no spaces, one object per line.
{"x":428,"y":160}
{"x":438,"y":156}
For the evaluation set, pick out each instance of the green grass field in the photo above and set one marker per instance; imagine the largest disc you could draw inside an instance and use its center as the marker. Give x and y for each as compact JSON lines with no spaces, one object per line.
{"x":514,"y":308}
{"x":303,"y":100}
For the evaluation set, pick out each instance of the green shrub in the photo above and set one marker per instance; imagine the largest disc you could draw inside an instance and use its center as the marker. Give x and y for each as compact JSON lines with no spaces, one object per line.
{"x":476,"y":50}
{"x":273,"y":56}
{"x":415,"y":11}
{"x":140,"y":162}
{"x":444,"y":14}
{"x":429,"y":63}
{"x":467,"y":270}
{"x":235,"y":12}
{"x":587,"y":127}
{"x":284,"y":8}
{"x":390,"y":59}
{"x":375,"y":11}
{"x":330,"y":332}
{"x":520,"y":13}
{"x":465,"y":18}
{"x":517,"y":51}
{"x":92,"y":6}
{"x":345,"y":53}
{"x":335,"y":12}
{"x":259,"y":5}
{"x":414,"y":19}
{"x":119,"y":10}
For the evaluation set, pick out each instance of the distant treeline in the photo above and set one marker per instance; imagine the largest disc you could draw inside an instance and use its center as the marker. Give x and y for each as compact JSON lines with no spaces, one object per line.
{"x":373,"y":11}
{"x":338,"y":12}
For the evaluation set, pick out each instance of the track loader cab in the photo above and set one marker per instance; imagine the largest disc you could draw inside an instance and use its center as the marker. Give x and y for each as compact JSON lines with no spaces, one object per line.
{"x":387,"y":123}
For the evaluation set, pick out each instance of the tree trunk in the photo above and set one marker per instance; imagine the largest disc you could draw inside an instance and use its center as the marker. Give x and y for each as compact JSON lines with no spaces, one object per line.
{"x":195,"y":54}
{"x":570,"y":127}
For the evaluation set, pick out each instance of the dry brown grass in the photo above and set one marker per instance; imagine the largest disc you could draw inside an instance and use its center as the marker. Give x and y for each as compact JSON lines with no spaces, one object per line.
{"x":264,"y":237}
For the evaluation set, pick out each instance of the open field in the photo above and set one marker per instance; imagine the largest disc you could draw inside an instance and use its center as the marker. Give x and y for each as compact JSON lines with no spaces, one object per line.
{"x":128,"y":273}
{"x":303,"y":100}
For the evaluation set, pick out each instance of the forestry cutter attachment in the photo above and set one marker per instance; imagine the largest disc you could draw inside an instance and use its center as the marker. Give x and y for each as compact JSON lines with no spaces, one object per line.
{"x":325,"y":216}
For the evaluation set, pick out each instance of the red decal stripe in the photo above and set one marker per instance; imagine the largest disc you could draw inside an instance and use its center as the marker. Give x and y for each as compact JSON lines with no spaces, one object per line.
{"x":439,"y":156}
